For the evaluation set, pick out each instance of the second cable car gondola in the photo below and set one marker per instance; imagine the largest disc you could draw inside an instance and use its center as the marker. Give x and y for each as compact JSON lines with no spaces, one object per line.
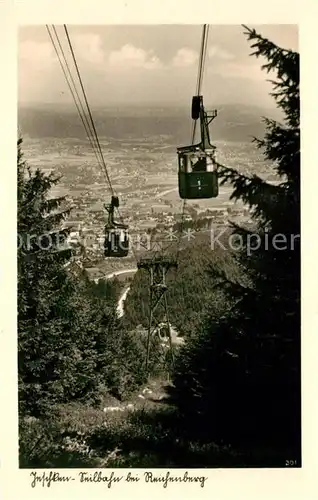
{"x":116,"y":242}
{"x":197,"y":173}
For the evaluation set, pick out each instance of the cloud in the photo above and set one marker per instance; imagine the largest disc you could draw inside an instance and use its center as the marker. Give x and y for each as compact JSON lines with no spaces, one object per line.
{"x":252,"y":72}
{"x":135,"y":64}
{"x":89,"y":47}
{"x":36,"y":54}
{"x":185,"y":57}
{"x":216,"y":52}
{"x":130,"y":56}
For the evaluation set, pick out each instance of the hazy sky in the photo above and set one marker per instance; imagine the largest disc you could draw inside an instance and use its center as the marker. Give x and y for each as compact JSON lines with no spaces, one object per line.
{"x":148,"y":63}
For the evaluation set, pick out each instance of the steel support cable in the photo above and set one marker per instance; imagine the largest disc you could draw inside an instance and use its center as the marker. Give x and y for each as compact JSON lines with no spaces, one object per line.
{"x":199,"y":83}
{"x":88,"y":109}
{"x":93,"y":124}
{"x":204,"y":44}
{"x":202,"y":58}
{"x":199,"y":76}
{"x":74,"y":85}
{"x":86,"y":125}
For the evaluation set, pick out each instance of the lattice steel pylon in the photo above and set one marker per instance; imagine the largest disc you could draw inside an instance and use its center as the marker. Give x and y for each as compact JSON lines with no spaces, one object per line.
{"x":157,"y":267}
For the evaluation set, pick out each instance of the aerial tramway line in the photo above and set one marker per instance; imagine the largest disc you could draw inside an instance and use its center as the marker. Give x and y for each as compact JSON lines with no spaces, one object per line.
{"x":197,"y":179}
{"x":116,"y":239}
{"x":197,"y":164}
{"x":116,"y":243}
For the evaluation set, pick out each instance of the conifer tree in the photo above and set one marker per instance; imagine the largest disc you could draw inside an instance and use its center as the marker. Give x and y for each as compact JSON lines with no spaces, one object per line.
{"x":241,"y":376}
{"x":70,"y":343}
{"x":42,"y":284}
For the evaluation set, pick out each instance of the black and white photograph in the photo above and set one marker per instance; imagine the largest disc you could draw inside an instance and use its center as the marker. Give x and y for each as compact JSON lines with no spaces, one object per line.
{"x":158,"y":248}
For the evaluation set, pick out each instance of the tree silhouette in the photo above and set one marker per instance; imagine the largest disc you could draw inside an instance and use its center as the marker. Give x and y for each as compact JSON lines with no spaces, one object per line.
{"x":240,"y":377}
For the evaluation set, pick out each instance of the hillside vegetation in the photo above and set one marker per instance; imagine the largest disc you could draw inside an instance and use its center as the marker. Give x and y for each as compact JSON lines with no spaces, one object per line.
{"x":193,"y":289}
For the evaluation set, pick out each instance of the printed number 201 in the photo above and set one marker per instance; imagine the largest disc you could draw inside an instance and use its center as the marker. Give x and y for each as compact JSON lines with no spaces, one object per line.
{"x":290,"y":463}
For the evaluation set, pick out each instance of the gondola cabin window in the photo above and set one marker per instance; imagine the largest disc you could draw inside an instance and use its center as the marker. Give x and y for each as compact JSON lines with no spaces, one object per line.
{"x":183,"y":163}
{"x":198,"y":164}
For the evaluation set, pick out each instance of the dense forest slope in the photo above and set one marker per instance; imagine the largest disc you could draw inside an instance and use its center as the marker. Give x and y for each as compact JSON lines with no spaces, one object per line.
{"x":192,"y":288}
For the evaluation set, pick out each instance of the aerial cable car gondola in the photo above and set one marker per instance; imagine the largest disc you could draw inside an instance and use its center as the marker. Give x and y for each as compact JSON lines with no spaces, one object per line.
{"x":197,"y":173}
{"x":116,"y":242}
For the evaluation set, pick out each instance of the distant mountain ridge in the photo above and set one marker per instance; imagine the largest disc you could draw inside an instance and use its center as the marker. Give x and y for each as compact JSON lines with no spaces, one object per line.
{"x":233,"y":123}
